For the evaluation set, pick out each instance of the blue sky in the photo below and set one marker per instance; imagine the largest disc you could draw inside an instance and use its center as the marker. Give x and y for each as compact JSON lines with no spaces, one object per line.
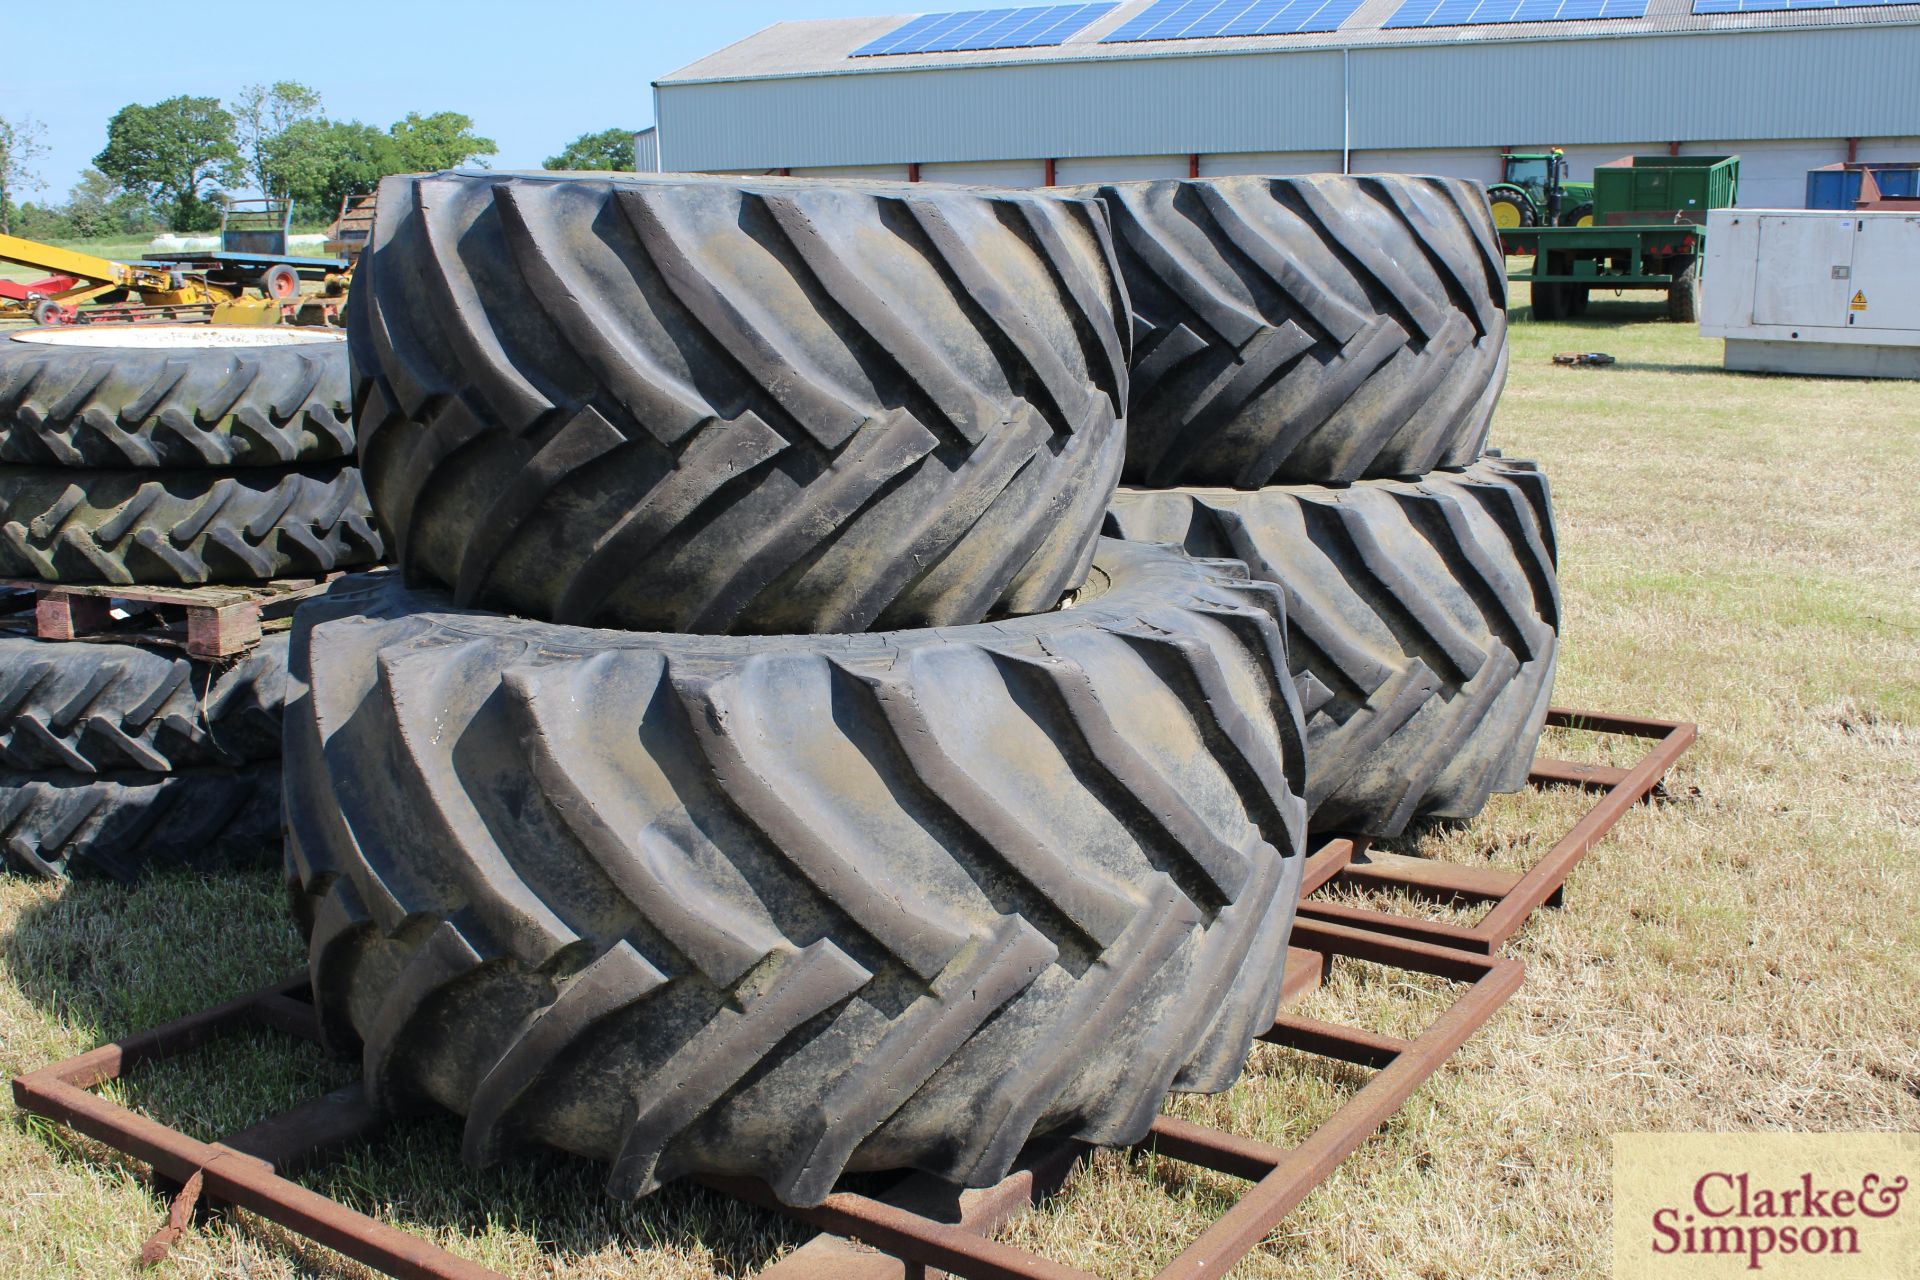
{"x":532,"y":75}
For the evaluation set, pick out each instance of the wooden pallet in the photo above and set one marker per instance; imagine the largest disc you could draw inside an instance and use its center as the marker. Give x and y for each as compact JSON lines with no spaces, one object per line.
{"x":220,"y":621}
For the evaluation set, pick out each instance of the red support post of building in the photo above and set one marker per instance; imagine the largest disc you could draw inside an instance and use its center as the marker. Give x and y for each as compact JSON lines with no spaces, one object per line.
{"x":913,"y":172}
{"x":1052,"y":171}
{"x":1853,"y":150}
{"x":1673,"y":148}
{"x":1193,"y":165}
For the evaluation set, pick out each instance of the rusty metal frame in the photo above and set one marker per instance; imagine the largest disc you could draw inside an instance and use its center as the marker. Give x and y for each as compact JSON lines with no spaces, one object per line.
{"x":1513,"y":896}
{"x":921,"y":1223}
{"x":245,"y":1170}
{"x":249,"y":1169}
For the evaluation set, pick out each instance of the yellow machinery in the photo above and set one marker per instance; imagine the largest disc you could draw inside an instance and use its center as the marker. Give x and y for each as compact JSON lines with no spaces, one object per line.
{"x":163,"y":291}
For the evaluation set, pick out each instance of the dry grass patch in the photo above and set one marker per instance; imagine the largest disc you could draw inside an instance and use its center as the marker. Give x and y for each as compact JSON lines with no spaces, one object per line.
{"x":1740,"y":551}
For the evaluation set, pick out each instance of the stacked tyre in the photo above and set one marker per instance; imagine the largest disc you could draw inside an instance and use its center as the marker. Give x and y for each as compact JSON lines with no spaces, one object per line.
{"x":1315,"y":364}
{"x":762,"y":766}
{"x":168,"y":455}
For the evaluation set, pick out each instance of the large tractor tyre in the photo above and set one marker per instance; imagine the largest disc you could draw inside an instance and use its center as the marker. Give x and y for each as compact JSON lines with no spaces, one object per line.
{"x":769,"y":406}
{"x":107,"y":708}
{"x":125,"y":825}
{"x":1581,"y":215}
{"x":1421,"y":628}
{"x":1314,"y":329}
{"x":173,"y":396}
{"x":784,"y":907}
{"x":1510,"y":209}
{"x":1683,"y":297}
{"x":185,"y":528}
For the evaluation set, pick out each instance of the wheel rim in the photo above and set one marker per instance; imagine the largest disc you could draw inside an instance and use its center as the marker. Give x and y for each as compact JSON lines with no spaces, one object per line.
{"x":282,"y":285}
{"x":1506,"y":213}
{"x":1584,"y":220}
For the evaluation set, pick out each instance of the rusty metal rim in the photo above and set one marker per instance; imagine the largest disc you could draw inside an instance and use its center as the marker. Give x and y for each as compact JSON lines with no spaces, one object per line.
{"x":1514,"y":898}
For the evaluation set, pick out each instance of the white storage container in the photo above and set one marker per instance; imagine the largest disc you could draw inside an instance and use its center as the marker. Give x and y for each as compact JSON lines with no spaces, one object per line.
{"x":1814,"y":291}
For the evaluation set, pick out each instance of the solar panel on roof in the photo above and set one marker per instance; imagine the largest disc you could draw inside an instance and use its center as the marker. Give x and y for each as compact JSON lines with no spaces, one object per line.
{"x":1478,"y":13}
{"x":1766,"y":6}
{"x":1200,"y":19}
{"x":1026,"y":28}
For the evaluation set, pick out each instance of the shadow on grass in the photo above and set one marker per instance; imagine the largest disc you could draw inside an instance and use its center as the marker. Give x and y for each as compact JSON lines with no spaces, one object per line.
{"x":110,"y":960}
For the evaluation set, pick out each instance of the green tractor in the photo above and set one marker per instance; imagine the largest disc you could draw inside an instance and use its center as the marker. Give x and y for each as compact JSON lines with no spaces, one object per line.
{"x":1535,"y":193}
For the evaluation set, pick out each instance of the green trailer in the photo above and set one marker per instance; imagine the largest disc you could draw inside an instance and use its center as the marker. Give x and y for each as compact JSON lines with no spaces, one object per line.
{"x":1648,"y":232}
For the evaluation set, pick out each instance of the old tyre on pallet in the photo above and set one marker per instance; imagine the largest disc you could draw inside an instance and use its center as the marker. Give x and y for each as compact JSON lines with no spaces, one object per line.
{"x":189,"y":528}
{"x":1313,"y":330}
{"x":1421,"y":627}
{"x":757,"y":406}
{"x":173,"y":395}
{"x":788,"y":906}
{"x":107,"y":708}
{"x":126,"y":825}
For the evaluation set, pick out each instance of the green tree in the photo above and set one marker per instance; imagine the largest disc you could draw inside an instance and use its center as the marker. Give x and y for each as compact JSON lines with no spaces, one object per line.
{"x":42,"y":222}
{"x":261,"y":115}
{"x":20,"y":146}
{"x":318,"y":162}
{"x":97,"y":206}
{"x":607,"y":149}
{"x":175,"y":153}
{"x":443,"y":140}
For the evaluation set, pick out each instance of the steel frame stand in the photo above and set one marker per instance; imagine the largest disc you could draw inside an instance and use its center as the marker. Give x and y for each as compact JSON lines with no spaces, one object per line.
{"x":921,"y":1222}
{"x":249,"y":1169}
{"x":1514,"y":896}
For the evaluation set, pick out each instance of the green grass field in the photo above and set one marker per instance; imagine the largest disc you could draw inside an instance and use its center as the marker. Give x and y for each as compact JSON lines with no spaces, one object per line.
{"x":1740,"y":551}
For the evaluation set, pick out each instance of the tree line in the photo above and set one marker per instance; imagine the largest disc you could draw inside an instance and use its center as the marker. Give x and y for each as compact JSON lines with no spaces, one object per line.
{"x":171,"y":164}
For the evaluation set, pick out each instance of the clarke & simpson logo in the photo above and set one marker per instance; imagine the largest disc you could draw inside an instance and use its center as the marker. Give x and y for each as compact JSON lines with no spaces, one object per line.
{"x":1727,"y":1214}
{"x":1786,"y":1206}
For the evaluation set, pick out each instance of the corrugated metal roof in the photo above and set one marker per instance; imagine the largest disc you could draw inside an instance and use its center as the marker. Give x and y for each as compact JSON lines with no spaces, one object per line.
{"x":825,"y":47}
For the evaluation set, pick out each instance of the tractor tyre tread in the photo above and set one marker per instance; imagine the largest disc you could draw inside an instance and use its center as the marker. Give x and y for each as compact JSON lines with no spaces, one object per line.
{"x":94,"y":406}
{"x":1315,"y":330}
{"x":125,"y":825}
{"x":183,"y":528}
{"x":782,"y":907}
{"x":762,"y":406}
{"x":1422,"y":620}
{"x":98,"y":708}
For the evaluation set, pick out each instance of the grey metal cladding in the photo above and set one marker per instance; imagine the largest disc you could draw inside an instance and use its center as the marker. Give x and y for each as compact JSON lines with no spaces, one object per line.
{"x":1241,"y":102}
{"x":1834,"y":82}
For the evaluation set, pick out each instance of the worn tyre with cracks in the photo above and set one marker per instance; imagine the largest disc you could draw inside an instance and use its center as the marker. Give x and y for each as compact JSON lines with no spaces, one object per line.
{"x":1422,"y":620}
{"x":1313,"y":330}
{"x":95,"y":708}
{"x":785,"y":907}
{"x":174,"y":396}
{"x":126,"y":825}
{"x":738,"y":406}
{"x":186,"y":528}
